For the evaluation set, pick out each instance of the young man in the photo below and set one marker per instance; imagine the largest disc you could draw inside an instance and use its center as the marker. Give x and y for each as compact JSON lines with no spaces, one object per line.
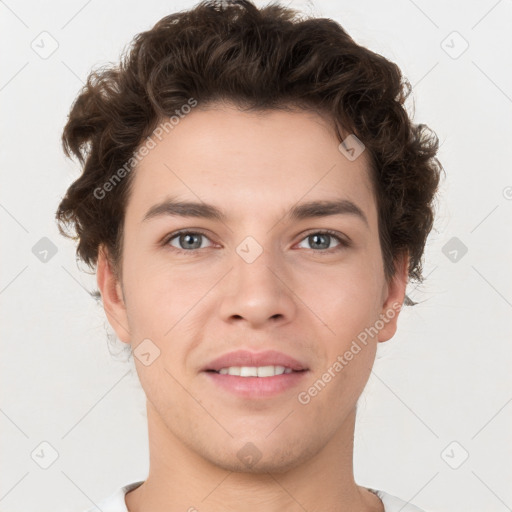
{"x":255,"y":199}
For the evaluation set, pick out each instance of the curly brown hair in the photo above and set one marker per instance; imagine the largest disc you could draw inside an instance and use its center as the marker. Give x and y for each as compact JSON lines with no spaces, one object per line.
{"x":259,"y":59}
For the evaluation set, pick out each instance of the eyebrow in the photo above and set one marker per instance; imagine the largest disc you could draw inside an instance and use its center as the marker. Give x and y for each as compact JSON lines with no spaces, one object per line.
{"x":311,"y":209}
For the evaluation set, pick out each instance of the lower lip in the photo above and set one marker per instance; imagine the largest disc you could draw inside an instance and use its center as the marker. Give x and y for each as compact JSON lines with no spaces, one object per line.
{"x":257,"y":387}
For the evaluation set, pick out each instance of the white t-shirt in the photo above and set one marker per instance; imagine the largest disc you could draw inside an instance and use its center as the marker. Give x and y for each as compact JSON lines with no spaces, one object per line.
{"x":116,"y":503}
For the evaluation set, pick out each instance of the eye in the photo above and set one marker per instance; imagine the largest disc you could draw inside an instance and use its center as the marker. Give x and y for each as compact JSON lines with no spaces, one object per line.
{"x":321,"y":240}
{"x":188,"y":241}
{"x":191,"y":241}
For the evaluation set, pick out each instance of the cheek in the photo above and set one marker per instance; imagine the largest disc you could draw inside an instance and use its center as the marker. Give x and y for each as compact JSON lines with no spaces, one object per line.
{"x":347,"y":297}
{"x":161,"y":295}
{"x":349,"y":310}
{"x":349,"y":344}
{"x":168,"y":306}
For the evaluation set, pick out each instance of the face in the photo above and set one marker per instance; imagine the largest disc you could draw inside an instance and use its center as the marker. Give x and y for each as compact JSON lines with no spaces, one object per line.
{"x":257,"y":279}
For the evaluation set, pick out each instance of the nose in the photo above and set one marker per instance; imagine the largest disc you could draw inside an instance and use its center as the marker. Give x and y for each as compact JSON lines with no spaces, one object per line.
{"x":257,"y":292}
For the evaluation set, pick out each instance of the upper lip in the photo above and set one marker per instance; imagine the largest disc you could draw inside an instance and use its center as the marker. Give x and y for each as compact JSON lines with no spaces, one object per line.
{"x":248,"y":358}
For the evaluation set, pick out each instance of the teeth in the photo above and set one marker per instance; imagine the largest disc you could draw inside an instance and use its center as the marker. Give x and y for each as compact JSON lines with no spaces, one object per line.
{"x":255,"y":371}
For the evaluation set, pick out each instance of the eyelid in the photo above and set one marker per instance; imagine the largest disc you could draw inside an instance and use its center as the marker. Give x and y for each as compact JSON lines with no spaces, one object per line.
{"x":342,"y":238}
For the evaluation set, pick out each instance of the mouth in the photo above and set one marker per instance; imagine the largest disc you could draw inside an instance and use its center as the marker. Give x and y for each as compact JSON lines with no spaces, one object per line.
{"x":256,"y":383}
{"x":246,"y":363}
{"x":256,"y":371}
{"x":254,"y":375}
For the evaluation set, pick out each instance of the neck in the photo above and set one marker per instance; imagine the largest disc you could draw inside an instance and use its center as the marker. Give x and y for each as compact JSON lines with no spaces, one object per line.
{"x":180,"y":479}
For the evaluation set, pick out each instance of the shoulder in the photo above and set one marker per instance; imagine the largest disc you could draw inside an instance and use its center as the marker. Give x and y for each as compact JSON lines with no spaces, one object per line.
{"x":115,"y":502}
{"x":393,"y":504}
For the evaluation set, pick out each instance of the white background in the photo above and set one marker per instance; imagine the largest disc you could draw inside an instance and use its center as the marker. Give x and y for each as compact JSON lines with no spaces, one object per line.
{"x":444,"y":377}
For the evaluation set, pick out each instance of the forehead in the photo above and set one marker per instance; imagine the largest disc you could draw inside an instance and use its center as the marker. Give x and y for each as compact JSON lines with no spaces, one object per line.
{"x":249,"y":163}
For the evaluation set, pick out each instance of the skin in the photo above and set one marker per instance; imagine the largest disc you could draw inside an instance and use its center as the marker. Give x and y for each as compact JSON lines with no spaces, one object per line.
{"x":296,"y":297}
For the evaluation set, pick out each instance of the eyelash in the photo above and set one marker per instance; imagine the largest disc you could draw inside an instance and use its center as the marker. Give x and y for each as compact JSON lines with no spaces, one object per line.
{"x":343,"y":243}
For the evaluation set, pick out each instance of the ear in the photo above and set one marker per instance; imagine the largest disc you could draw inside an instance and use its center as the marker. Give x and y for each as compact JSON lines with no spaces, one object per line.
{"x":394,"y":297}
{"x":112,"y":296}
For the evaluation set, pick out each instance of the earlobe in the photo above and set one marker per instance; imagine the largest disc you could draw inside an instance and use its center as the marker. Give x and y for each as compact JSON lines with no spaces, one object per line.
{"x":395,"y":298}
{"x":112,"y":296}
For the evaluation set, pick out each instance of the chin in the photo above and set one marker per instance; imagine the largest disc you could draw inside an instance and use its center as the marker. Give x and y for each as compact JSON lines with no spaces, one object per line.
{"x":260,"y":457}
